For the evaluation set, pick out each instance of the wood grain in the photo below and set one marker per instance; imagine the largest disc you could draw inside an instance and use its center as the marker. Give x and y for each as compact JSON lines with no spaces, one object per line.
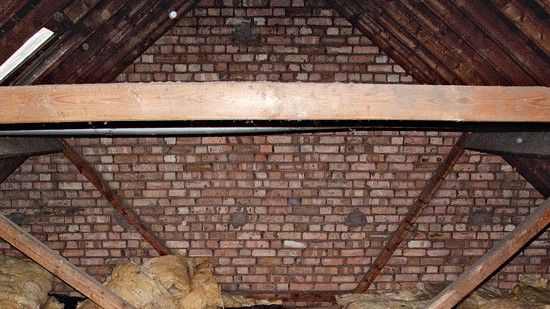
{"x":536,"y":222}
{"x":59,"y":266}
{"x":271,"y":101}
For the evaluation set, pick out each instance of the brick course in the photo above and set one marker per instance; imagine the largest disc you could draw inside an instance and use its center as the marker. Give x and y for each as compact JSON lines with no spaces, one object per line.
{"x":287,"y":195}
{"x":290,"y":40}
{"x":296,"y":192}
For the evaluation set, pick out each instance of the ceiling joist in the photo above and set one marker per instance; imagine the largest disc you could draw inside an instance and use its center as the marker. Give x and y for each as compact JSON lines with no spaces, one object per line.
{"x":95,"y":39}
{"x":271,"y":101}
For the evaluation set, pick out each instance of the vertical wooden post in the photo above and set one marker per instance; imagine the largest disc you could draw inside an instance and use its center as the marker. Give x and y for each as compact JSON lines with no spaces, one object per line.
{"x":59,"y":266}
{"x":86,"y":169}
{"x":404,"y":228}
{"x":536,"y":222}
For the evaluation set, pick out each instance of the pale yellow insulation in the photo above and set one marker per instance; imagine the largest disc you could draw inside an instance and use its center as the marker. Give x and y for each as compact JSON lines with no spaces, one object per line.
{"x":23,"y":284}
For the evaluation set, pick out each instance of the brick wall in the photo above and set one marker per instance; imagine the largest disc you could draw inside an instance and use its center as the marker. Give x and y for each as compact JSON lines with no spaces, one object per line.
{"x":259,"y":40}
{"x":276,"y":213}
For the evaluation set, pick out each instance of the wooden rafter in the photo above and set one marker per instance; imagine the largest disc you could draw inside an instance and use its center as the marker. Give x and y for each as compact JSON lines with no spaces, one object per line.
{"x":25,"y":22}
{"x":410,"y":23}
{"x":459,"y":41}
{"x":271,"y":101}
{"x":92,"y":20}
{"x":504,"y":34}
{"x":87,"y":170}
{"x":471,"y":34}
{"x":406,"y":225}
{"x":60,"y":267}
{"x":139,"y":40}
{"x":95,"y":40}
{"x":528,"y":21}
{"x":386,"y":15}
{"x":497,"y":256}
{"x":350,"y":11}
{"x":465,"y":54}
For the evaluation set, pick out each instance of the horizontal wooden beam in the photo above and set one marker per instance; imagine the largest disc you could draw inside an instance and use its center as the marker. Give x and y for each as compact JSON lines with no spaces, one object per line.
{"x":28,"y":146}
{"x":59,"y":266}
{"x":533,"y":144}
{"x":271,"y":101}
{"x":497,"y":256}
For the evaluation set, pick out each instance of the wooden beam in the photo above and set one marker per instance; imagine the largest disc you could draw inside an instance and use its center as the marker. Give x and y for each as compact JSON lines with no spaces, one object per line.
{"x":377,"y":12}
{"x":531,"y":23}
{"x":421,"y":73}
{"x":119,"y":41}
{"x":504,"y":34}
{"x":138,"y":41}
{"x":87,"y":170}
{"x":59,"y":266}
{"x":296,"y":296}
{"x":535,"y":171}
{"x":464,"y":54}
{"x":478,"y":39}
{"x":29,"y":20}
{"x":497,"y":256}
{"x":533,"y":144}
{"x":68,"y":43}
{"x":9,"y":165}
{"x":28,"y":146}
{"x":271,"y":101}
{"x":404,"y":228}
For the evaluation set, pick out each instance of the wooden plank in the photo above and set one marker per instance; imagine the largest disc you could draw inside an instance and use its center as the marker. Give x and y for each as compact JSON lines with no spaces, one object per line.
{"x":113,"y":29}
{"x":504,"y":34}
{"x":497,"y":256}
{"x":534,"y":144}
{"x":464,"y":54}
{"x":28,"y":146}
{"x":383,"y":13}
{"x":60,"y":267}
{"x":484,"y":45}
{"x":456,"y":61}
{"x":421,"y":73}
{"x":533,"y":25}
{"x":8,"y":9}
{"x":9,"y":165}
{"x":271,"y":101}
{"x":120,"y":45}
{"x":405,"y":226}
{"x":535,"y":171}
{"x":140,"y":43}
{"x":87,"y":170}
{"x":68,"y":44}
{"x":34,"y":18}
{"x":296,"y":296}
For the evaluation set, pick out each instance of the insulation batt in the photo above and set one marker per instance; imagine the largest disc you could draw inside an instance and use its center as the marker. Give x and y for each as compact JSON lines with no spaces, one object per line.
{"x":23,"y":284}
{"x":52,"y":303}
{"x":168,"y":282}
{"x":532,"y":293}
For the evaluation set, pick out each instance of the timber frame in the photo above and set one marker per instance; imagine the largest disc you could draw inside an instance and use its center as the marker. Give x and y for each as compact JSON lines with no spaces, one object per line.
{"x":271,"y":101}
{"x":136,"y":98}
{"x":494,"y":42}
